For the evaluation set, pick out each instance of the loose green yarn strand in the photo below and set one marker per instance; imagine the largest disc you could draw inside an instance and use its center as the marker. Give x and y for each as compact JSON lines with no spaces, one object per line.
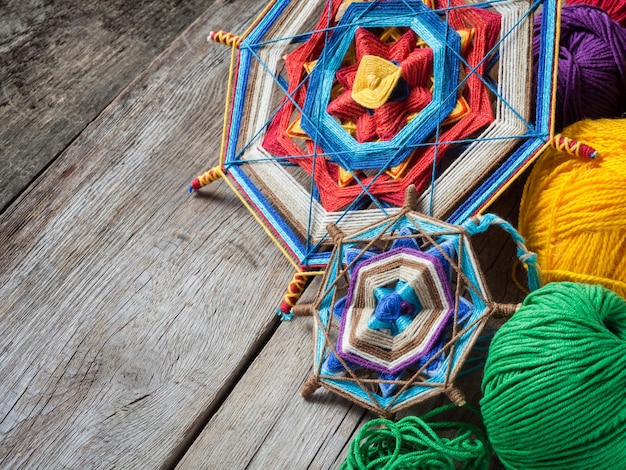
{"x":553,"y":388}
{"x":413,"y":443}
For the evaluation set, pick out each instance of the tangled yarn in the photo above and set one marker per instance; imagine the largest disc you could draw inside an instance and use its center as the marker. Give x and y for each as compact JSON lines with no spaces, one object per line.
{"x":573,"y":210}
{"x":413,"y":443}
{"x":592,"y":65}
{"x":553,"y":387}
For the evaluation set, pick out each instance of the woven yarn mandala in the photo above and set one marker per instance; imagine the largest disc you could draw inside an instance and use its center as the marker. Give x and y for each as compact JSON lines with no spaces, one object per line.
{"x":400,"y":306}
{"x":336,"y":107}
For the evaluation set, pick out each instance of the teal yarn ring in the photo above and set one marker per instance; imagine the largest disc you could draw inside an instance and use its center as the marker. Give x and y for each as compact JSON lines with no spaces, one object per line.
{"x":554,"y":392}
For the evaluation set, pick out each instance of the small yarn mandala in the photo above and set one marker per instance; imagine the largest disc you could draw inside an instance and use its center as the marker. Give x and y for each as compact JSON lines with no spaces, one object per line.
{"x":336,"y":107}
{"x":400,"y":306}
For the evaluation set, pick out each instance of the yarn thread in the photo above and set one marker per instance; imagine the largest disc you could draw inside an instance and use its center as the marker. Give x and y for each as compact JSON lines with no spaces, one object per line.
{"x":225,"y":38}
{"x":573,"y":210}
{"x":615,"y":8}
{"x":415,"y":442}
{"x":572,"y":147}
{"x":294,"y":290}
{"x":464,"y":75}
{"x":401,"y":304}
{"x":206,"y":178}
{"x":503,"y":30}
{"x":592,"y":65}
{"x":553,"y":386}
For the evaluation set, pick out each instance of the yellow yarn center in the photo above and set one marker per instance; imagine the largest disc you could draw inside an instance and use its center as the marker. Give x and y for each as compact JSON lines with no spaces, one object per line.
{"x":375,"y":81}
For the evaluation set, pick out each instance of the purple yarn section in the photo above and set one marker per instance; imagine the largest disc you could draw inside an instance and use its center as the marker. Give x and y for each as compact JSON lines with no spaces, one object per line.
{"x":615,"y":8}
{"x":592,"y":65}
{"x":353,"y":358}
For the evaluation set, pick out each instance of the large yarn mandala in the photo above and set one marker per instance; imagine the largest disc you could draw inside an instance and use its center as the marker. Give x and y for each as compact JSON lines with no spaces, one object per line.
{"x":337,"y":106}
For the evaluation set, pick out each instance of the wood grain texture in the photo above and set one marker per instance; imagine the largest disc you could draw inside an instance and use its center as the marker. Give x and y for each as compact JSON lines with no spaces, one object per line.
{"x":126,"y":306}
{"x":265,"y":423}
{"x":61,"y":64}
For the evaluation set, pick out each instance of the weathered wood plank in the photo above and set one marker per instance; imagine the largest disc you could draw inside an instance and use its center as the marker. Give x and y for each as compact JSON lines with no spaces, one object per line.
{"x":61,"y":64}
{"x":126,"y":305}
{"x":264,"y":423}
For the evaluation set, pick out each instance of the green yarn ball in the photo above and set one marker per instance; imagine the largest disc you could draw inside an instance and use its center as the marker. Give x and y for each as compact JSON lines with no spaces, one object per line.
{"x":554,"y":389}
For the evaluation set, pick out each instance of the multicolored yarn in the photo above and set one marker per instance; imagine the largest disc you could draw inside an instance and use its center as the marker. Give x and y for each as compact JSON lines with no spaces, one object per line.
{"x":225,"y":38}
{"x":311,"y":137}
{"x":615,"y":8}
{"x":413,"y":443}
{"x":553,"y":386}
{"x":573,"y":210}
{"x":400,"y":306}
{"x":414,"y":112}
{"x":592,"y":65}
{"x":294,"y":291}
{"x":384,"y":89}
{"x":573,"y":147}
{"x":206,"y":178}
{"x":410,"y":283}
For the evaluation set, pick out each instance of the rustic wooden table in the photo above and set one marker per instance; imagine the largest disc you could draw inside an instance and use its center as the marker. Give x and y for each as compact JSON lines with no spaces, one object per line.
{"x":136,"y":321}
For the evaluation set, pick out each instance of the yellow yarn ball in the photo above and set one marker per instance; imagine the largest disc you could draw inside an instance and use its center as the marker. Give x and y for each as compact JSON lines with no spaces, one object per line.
{"x":573,"y":209}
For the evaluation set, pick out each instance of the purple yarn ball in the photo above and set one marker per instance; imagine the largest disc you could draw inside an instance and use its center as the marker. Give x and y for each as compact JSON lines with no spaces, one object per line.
{"x":592,"y":65}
